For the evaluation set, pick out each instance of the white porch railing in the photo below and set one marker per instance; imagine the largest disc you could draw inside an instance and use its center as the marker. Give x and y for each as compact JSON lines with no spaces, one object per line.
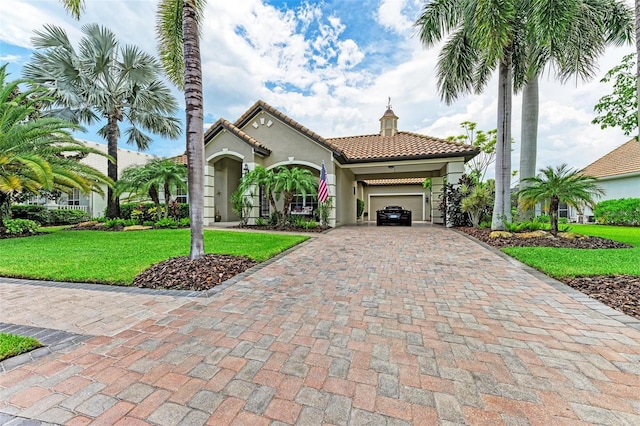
{"x":59,"y":207}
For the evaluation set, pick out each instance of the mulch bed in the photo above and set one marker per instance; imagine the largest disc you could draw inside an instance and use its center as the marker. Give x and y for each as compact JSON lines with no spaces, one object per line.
{"x":620,"y":292}
{"x":182,"y":273}
{"x":578,"y":243}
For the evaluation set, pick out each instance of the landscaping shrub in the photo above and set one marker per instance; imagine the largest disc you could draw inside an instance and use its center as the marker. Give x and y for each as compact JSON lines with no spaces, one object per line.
{"x":20,"y":226}
{"x":532,"y":226}
{"x":67,"y":217}
{"x":311,"y":224}
{"x":167,"y":222}
{"x":623,"y":211}
{"x":543,"y":218}
{"x":260,"y":221}
{"x":32,"y":212}
{"x":44,"y":216}
{"x":359,"y":207}
{"x":142,"y":212}
{"x":115,"y":223}
{"x":451,"y":202}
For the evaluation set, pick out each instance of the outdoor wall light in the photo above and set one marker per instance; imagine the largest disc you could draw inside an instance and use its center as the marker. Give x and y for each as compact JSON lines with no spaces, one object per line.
{"x":245,"y":169}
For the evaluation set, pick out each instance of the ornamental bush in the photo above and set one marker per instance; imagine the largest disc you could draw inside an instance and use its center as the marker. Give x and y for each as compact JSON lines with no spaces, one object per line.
{"x":142,"y":212}
{"x":623,"y":211}
{"x":32,"y":212}
{"x":20,"y":226}
{"x":67,"y":217}
{"x":43,"y":216}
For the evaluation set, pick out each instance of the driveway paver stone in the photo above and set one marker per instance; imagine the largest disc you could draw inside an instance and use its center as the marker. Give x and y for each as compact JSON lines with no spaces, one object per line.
{"x":361,"y":325}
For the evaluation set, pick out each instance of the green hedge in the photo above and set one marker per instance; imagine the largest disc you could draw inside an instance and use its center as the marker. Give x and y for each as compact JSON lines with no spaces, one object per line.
{"x":623,"y":211}
{"x":143,"y":212}
{"x":43,"y":216}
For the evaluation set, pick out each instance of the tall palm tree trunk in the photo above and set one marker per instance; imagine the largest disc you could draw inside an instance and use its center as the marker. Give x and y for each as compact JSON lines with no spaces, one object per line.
{"x":553,"y":215}
{"x":113,"y":203}
{"x":195,"y":123}
{"x":529,"y":138}
{"x":502,"y":203}
{"x":637,"y":11}
{"x":5,"y":207}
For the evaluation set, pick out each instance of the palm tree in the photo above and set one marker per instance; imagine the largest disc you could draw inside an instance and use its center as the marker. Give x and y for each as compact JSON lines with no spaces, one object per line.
{"x":38,"y":153}
{"x":178,"y":31}
{"x":260,"y":178}
{"x":519,"y":38}
{"x":484,"y":36}
{"x":104,"y":80}
{"x":560,"y":185}
{"x":292,"y":181}
{"x":596,"y":23}
{"x":149,"y":178}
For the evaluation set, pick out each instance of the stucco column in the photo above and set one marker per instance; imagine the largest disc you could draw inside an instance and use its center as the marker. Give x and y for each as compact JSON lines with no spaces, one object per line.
{"x":209,"y":195}
{"x":437,"y":187}
{"x":454,"y":173}
{"x":331,"y":186}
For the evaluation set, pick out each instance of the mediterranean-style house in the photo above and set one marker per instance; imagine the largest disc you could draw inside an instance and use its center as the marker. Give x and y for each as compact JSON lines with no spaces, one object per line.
{"x":386,"y":168}
{"x":618,"y":173}
{"x":94,"y":204}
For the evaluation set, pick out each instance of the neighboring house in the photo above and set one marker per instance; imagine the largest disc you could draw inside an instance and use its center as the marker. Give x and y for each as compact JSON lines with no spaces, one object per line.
{"x":94,"y":204}
{"x":380,"y":169}
{"x":618,"y":173}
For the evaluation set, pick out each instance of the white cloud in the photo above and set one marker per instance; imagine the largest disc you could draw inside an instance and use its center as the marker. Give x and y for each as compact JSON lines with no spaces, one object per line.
{"x":317,"y":67}
{"x":10,"y":58}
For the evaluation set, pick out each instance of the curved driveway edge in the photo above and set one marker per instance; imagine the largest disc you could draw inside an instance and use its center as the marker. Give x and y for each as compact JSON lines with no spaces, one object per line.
{"x":363,"y":325}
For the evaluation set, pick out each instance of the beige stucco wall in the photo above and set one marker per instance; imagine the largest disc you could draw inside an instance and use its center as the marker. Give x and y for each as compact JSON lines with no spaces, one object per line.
{"x":345,"y":201}
{"x":226,"y":155}
{"x":285,"y":142}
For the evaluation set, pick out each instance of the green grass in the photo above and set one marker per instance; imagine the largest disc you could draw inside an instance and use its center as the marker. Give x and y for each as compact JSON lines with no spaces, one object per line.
{"x":117,"y":257}
{"x":12,"y":345}
{"x":577,"y":262}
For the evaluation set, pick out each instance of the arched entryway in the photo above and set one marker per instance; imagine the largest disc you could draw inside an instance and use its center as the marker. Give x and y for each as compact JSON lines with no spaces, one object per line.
{"x":226,"y":174}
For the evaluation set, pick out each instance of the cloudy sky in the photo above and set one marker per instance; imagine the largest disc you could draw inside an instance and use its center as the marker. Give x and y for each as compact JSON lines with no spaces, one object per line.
{"x":331,"y":65}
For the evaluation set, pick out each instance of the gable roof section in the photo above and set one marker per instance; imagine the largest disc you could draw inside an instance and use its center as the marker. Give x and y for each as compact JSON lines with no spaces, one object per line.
{"x":353,"y":149}
{"x":233,"y":129}
{"x":263,"y":106}
{"x":402,"y":145}
{"x":623,"y":160}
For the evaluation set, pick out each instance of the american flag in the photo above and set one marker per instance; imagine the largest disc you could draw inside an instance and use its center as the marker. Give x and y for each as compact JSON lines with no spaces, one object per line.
{"x":323,"y":191}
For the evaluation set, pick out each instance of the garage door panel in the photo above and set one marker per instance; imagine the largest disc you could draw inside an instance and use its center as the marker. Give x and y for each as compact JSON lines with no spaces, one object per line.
{"x":409,"y":202}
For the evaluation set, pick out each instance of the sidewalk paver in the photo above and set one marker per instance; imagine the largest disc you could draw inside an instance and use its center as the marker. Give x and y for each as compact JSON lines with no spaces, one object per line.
{"x":362,"y":325}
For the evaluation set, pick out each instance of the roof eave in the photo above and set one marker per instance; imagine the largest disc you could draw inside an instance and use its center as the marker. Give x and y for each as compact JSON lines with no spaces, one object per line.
{"x":467,"y":156}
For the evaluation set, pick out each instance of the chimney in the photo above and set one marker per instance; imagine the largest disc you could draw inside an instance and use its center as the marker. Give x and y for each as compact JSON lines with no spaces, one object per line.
{"x":389,"y":122}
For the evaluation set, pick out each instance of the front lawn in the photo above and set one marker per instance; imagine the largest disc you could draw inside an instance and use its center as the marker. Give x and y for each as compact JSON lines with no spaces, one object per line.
{"x":560,"y":263}
{"x":117,"y":257}
{"x":12,"y":345}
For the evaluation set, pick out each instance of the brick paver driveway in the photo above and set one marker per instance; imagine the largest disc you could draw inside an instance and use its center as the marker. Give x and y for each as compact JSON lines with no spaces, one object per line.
{"x":363,"y":326}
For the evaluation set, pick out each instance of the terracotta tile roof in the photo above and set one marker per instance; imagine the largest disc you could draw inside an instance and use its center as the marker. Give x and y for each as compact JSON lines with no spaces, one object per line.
{"x":404,"y":181}
{"x":179,"y":159}
{"x":622,"y":160}
{"x":399,"y":146}
{"x":232,"y":128}
{"x":403,"y":145}
{"x":263,"y":106}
